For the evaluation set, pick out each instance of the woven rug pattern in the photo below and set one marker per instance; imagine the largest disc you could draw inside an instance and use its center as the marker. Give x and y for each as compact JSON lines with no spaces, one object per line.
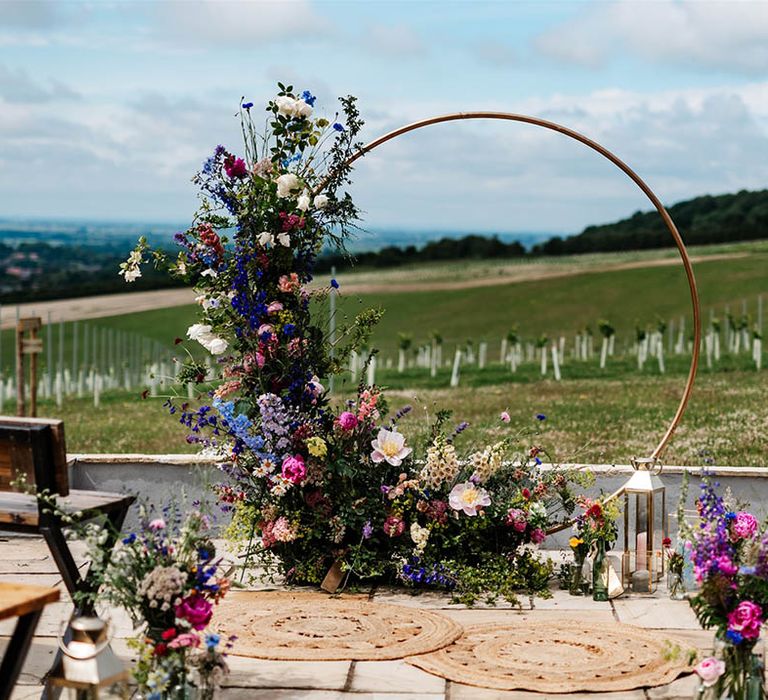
{"x":563,"y":656}
{"x":311,"y":626}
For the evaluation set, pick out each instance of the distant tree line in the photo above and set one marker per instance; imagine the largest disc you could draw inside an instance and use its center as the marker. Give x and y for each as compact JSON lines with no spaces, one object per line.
{"x":703,"y":220}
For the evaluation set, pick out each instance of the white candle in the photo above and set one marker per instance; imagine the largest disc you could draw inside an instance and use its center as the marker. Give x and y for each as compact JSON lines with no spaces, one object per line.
{"x":641,"y":561}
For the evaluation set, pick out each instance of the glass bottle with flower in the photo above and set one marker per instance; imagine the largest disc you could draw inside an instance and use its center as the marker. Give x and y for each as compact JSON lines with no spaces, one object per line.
{"x":675,"y":566}
{"x":730,"y":555}
{"x":595,"y":532}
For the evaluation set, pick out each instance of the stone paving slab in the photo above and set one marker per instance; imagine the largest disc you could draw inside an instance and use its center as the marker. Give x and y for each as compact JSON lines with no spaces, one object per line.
{"x":27,"y":560}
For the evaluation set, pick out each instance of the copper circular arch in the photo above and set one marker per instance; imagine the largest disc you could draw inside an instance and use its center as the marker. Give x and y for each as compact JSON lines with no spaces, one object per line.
{"x":552,"y":126}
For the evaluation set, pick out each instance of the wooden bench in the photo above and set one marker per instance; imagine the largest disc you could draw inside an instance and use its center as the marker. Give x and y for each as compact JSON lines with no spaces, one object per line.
{"x":25,"y":602}
{"x":35,"y":448}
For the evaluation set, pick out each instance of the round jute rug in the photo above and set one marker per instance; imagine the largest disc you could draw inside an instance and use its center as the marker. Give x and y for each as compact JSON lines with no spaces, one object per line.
{"x":306,"y":626}
{"x":564,"y":657}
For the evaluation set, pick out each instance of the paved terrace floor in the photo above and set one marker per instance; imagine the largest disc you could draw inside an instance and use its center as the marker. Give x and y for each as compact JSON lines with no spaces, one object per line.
{"x":26,"y":559}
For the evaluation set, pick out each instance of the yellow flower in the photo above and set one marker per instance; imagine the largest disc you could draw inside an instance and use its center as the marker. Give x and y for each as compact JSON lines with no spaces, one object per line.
{"x":575,"y":542}
{"x":317,"y":447}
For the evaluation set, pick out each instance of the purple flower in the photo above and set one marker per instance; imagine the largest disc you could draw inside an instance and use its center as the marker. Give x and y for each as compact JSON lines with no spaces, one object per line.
{"x":334,"y":284}
{"x":196,"y":610}
{"x":367,"y":530}
{"x":338,"y":127}
{"x":247,"y":105}
{"x":540,"y":417}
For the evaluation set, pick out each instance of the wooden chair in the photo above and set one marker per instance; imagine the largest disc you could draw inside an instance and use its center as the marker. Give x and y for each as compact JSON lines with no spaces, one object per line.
{"x":36,"y":448}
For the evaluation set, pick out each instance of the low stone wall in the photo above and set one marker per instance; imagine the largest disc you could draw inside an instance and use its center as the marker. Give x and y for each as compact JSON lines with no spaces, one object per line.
{"x":158,"y":478}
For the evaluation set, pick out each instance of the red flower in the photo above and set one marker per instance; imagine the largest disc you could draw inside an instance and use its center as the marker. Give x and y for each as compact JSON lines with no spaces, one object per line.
{"x":526,"y":494}
{"x":666,"y":542}
{"x":160,"y":649}
{"x":169,"y":634}
{"x":595,"y":511}
{"x":235,"y":167}
{"x":394,"y":526}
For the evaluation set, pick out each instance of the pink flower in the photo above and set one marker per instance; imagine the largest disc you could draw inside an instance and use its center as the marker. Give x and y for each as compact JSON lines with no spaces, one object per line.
{"x":709,"y":670}
{"x":264,"y":328}
{"x":347,"y":421}
{"x":188,"y":639}
{"x":746,"y":619}
{"x":274,"y":307}
{"x":196,"y":610}
{"x":294,"y":469}
{"x":468,"y":497}
{"x":745,"y":525}
{"x":505,"y":417}
{"x":157,"y":524}
{"x":394,"y":526}
{"x":389,"y":446}
{"x":235,"y":167}
{"x":516,"y":518}
{"x":726,"y":566}
{"x":538,"y":536}
{"x":289,"y":283}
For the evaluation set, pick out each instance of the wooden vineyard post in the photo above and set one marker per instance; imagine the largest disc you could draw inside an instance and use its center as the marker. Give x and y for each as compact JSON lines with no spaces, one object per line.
{"x":31,"y":345}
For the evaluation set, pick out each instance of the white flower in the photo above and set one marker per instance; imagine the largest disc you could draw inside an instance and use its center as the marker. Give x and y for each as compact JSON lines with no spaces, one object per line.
{"x":303,"y":202}
{"x":321,"y":201}
{"x":468,"y":497}
{"x":420,"y":536}
{"x":284,"y":239}
{"x":216,"y":346}
{"x":209,"y":273}
{"x":389,"y":446}
{"x":266,"y":239}
{"x":131,"y":275}
{"x":286,"y":183}
{"x":198,"y":330}
{"x":286,"y":105}
{"x":302,"y":109}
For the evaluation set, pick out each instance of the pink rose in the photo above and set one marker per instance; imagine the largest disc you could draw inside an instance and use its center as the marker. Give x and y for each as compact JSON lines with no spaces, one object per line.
{"x":745,"y":525}
{"x":746,"y":619}
{"x":294,"y":469}
{"x":394,"y":526}
{"x":188,"y":639}
{"x":196,"y":610}
{"x":347,"y":420}
{"x":516,"y":518}
{"x":709,"y":670}
{"x":538,"y":536}
{"x":274,"y":307}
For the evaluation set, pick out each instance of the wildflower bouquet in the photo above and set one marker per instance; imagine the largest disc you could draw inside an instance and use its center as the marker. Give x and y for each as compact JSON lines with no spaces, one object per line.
{"x":730,"y":556}
{"x":166,"y":575}
{"x":595,"y":524}
{"x":311,"y":484}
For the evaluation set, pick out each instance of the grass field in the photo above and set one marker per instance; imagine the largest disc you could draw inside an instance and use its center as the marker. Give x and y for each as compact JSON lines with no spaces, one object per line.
{"x":588,"y":420}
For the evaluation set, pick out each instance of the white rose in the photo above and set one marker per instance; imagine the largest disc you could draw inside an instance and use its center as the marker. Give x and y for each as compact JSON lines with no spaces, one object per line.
{"x":286,"y":105}
{"x":216,"y":346}
{"x":198,"y":330}
{"x":302,"y":109}
{"x":321,"y":201}
{"x":286,"y":183}
{"x":303,"y":202}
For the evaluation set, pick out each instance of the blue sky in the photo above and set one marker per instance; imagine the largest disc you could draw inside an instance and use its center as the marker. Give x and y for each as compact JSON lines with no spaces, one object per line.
{"x":107,"y":108}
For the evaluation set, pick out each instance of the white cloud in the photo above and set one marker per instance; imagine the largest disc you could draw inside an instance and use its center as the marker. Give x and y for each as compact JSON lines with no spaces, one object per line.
{"x":243,"y":23}
{"x":394,"y":40}
{"x":17,"y":86}
{"x":730,"y":35}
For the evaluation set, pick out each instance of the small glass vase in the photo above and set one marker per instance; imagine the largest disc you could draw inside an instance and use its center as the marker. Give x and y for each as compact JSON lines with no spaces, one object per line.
{"x":744,"y":677}
{"x":676,"y":586}
{"x":577,"y":573}
{"x":599,"y":573}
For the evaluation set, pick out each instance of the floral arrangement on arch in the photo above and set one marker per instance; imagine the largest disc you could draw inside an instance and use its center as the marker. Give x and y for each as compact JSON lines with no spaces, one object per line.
{"x":311,"y":483}
{"x":729,"y":549}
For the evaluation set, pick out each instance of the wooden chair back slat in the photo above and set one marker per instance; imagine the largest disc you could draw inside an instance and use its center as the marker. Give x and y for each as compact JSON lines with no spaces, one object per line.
{"x":36,"y":448}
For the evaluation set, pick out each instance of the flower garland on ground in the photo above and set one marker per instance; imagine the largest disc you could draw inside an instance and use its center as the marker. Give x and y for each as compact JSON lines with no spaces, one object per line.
{"x":311,"y":484}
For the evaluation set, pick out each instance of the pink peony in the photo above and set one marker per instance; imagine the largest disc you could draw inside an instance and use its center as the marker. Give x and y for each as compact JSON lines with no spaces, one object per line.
{"x":294,"y":469}
{"x":389,"y":446}
{"x":468,"y":497}
{"x":347,"y":421}
{"x":746,"y":619}
{"x":196,"y":610}
{"x":394,"y":526}
{"x":538,"y":536}
{"x":745,"y":525}
{"x":709,"y":670}
{"x":188,"y":639}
